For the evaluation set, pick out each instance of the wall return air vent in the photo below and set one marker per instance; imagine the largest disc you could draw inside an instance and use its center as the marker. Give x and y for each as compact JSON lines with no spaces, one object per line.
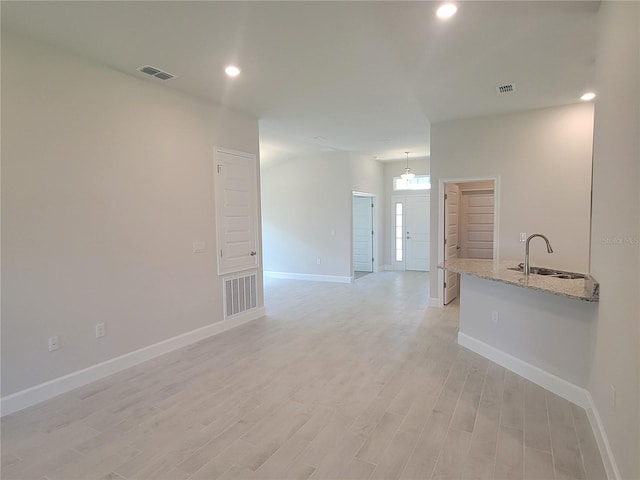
{"x":155,"y":72}
{"x":240,"y":294}
{"x":506,"y":88}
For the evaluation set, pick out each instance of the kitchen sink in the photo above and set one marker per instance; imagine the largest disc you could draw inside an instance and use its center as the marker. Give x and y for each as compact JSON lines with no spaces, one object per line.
{"x":549,"y":272}
{"x":570,"y":276}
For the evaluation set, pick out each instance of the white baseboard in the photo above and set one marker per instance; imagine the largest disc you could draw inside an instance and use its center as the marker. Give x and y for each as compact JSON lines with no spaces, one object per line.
{"x":560,"y":387}
{"x":435,"y":302}
{"x":600,"y":433}
{"x":384,"y":268}
{"x":309,"y":277}
{"x":52,"y":388}
{"x":557,"y":385}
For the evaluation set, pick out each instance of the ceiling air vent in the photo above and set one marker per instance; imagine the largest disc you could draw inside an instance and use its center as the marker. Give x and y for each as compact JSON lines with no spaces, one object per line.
{"x":155,"y":72}
{"x":506,"y":88}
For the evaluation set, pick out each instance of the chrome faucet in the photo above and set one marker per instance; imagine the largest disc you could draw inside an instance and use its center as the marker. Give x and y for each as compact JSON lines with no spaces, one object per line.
{"x":526,"y":250}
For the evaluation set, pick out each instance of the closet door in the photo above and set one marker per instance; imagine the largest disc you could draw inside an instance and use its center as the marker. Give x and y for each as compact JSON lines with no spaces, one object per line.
{"x":236,"y":210}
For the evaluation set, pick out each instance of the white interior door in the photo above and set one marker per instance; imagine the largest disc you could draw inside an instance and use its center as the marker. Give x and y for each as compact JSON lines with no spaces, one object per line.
{"x":476,"y":224}
{"x":418,"y":241}
{"x":451,"y":204}
{"x":236,"y":210}
{"x":362,"y":234}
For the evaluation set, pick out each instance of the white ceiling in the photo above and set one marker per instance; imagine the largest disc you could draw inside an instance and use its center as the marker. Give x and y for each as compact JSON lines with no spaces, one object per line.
{"x":365,"y":77}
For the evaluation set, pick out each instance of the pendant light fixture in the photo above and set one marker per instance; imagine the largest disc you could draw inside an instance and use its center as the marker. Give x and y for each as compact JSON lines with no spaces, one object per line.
{"x":407,"y":175}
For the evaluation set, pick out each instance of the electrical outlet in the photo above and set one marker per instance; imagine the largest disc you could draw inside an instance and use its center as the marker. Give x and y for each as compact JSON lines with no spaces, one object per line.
{"x":100,"y":331}
{"x":53,"y":344}
{"x":198,"y":247}
{"x":494,"y":316}
{"x":523,"y":237}
{"x":613,"y":396}
{"x":318,"y":261}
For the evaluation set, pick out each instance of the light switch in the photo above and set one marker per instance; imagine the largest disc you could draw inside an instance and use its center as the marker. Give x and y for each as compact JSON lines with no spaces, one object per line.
{"x":198,"y":247}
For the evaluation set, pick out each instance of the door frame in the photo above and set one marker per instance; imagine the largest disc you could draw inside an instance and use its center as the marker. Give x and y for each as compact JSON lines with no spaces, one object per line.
{"x":441,"y":223}
{"x":374,"y":223}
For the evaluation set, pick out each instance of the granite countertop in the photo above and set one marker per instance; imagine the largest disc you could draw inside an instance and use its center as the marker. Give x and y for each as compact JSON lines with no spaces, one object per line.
{"x":586,"y":289}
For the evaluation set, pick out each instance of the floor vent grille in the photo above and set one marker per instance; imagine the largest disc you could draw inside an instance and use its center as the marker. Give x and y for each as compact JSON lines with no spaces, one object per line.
{"x":240,"y":294}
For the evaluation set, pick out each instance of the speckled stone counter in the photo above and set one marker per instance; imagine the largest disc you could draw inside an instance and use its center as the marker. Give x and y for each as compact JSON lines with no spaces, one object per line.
{"x":539,"y":327}
{"x":586,"y":289}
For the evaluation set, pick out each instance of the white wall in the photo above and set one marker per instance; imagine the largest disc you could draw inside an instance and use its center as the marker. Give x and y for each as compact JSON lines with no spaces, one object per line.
{"x":615,"y":240}
{"x":550,"y":332}
{"x":419,"y":166}
{"x":107,"y":181}
{"x":306,"y":212}
{"x":543,"y":160}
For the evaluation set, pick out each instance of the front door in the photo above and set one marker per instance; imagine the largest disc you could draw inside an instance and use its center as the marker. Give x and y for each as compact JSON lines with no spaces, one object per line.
{"x":418,"y":242}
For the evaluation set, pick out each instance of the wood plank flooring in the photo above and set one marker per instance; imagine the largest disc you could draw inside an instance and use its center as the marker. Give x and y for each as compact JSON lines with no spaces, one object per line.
{"x":357,"y":381}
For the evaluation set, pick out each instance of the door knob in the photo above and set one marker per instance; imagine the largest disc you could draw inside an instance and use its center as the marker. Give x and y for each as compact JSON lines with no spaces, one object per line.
{"x":253,"y":254}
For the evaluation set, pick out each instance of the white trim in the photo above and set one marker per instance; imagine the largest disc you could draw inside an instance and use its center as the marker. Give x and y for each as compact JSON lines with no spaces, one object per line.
{"x":308,"y":276}
{"x":435,"y":302}
{"x":440,"y":232}
{"x":375,"y":236}
{"x":610,"y":466}
{"x":57,"y":386}
{"x":560,"y":387}
{"x":384,"y":268}
{"x":557,"y":385}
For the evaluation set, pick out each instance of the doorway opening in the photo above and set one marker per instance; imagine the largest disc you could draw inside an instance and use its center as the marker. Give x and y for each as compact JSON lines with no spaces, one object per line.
{"x":362,"y":240}
{"x":468,"y":226}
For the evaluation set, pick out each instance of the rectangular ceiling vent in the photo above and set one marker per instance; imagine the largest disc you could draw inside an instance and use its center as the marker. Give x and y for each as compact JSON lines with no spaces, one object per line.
{"x":155,"y":72}
{"x":506,"y":88}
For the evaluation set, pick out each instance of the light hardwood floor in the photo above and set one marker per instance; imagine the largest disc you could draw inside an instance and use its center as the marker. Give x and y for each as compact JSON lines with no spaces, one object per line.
{"x":357,"y":381}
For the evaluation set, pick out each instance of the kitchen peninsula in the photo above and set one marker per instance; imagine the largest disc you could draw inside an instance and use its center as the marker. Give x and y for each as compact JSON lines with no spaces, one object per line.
{"x":539,"y":326}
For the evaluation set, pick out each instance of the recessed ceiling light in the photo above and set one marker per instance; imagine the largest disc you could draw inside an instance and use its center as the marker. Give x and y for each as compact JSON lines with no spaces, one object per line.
{"x":588,"y":96}
{"x":446,"y":10}
{"x":232,"y":71}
